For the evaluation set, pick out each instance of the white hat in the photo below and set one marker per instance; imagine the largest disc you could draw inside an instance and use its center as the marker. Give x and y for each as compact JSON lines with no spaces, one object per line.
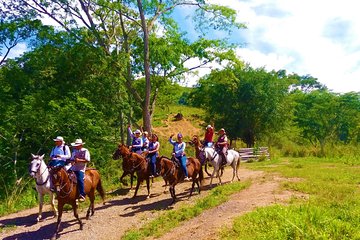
{"x":58,"y":138}
{"x":145,"y":132}
{"x":137,"y":131}
{"x":208,"y":126}
{"x":77,"y":142}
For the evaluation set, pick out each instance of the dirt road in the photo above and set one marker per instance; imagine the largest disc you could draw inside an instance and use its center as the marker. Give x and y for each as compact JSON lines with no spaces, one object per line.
{"x":122,"y":212}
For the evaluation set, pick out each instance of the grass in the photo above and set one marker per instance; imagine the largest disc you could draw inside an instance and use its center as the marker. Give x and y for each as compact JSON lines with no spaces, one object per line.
{"x":172,"y":218}
{"x":331,"y":212}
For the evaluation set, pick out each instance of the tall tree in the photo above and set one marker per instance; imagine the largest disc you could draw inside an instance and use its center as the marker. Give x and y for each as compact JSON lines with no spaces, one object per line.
{"x":114,"y":26}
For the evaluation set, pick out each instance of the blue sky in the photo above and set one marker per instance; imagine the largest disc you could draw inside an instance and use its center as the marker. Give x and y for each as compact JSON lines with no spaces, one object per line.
{"x":320,"y":38}
{"x":316,"y":37}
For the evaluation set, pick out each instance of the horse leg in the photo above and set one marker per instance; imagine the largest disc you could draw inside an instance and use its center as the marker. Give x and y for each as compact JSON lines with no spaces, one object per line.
{"x":192,"y":186}
{"x":137,"y":187}
{"x":122,"y":178}
{"x":172,"y":192}
{"x":52,"y":202}
{"x":148,"y":186}
{"x":206,"y":164}
{"x":212,"y":175}
{"x":76,"y":215}
{"x":91,"y":206}
{"x":41,"y":203}
{"x":60,"y":208}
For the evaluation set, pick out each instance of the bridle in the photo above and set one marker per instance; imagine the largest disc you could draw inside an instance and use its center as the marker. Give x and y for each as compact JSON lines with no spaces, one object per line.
{"x":60,"y":185}
{"x":40,"y":174}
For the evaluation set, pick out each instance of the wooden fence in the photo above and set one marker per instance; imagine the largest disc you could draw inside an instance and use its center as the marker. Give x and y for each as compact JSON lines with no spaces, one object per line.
{"x":253,"y":154}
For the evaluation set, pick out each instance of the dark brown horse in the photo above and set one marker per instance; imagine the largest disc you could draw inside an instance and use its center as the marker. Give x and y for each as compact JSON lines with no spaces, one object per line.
{"x":171,"y":172}
{"x":67,"y":191}
{"x":199,"y":151}
{"x":133,"y":163}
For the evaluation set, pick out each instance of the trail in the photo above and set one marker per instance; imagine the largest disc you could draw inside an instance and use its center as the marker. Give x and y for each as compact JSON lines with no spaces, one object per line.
{"x":123,"y":212}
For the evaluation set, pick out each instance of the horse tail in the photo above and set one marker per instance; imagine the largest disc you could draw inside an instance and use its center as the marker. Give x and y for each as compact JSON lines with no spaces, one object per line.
{"x":101,"y":190}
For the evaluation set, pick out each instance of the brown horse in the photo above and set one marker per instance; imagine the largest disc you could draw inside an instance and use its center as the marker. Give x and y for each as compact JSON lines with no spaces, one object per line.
{"x":116,"y":156}
{"x":173,"y":174}
{"x":199,"y":151}
{"x":133,"y":162}
{"x":67,"y":191}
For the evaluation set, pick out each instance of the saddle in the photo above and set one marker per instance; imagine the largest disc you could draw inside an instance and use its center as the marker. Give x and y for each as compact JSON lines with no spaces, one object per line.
{"x":177,"y":162}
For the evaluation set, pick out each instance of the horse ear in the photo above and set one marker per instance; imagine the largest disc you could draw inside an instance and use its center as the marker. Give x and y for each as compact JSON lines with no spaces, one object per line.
{"x":32,"y":155}
{"x":42,"y":156}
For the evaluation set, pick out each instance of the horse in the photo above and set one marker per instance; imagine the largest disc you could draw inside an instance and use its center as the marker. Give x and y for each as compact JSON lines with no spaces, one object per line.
{"x":232,"y":159}
{"x":40,"y":172}
{"x":133,"y":162}
{"x":173,"y":175}
{"x":67,"y":191}
{"x":199,"y":147}
{"x":116,"y":156}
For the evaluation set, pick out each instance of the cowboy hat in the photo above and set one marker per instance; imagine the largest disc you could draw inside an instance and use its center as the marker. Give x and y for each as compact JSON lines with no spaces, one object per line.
{"x":179,"y":135}
{"x":137,"y":131}
{"x":58,"y":139}
{"x":77,"y":142}
{"x":208,"y":126}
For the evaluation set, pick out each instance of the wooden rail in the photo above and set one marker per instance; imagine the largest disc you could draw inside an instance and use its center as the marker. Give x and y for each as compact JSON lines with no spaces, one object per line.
{"x":253,"y":154}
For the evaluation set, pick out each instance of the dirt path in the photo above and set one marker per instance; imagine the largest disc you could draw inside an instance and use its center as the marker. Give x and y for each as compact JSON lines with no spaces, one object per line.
{"x":121,"y":213}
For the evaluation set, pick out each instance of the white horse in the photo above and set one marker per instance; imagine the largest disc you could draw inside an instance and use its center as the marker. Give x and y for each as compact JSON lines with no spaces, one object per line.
{"x":232,"y":159}
{"x":40,"y":172}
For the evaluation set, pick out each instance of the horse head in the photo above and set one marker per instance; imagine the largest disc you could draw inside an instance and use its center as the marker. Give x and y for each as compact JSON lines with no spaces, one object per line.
{"x":122,"y":150}
{"x":35,"y":164}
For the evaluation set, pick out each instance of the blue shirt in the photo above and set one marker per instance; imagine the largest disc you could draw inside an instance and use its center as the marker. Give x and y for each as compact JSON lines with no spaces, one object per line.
{"x":179,"y":148}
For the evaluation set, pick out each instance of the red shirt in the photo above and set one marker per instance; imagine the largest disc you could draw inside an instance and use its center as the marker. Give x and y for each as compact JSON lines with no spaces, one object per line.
{"x":209,"y":135}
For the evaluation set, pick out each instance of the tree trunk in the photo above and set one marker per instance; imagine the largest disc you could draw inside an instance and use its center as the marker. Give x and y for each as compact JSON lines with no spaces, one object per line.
{"x":146,"y":104}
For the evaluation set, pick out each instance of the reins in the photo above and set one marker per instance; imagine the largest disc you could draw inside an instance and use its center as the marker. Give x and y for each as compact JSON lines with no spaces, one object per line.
{"x":38,"y":170}
{"x":63,"y":186}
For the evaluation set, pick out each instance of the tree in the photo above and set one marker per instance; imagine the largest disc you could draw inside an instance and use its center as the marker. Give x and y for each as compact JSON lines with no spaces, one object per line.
{"x":249,"y":103}
{"x":316,"y":113}
{"x":113,"y":26}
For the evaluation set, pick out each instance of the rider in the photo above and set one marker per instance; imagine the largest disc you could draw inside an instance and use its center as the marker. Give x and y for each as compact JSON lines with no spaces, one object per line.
{"x":80,"y":157}
{"x":137,"y":142}
{"x":58,"y":156}
{"x":60,"y":153}
{"x":222,"y":145}
{"x":153,"y":152}
{"x":179,"y":153}
{"x":208,"y":139}
{"x":146,"y":141}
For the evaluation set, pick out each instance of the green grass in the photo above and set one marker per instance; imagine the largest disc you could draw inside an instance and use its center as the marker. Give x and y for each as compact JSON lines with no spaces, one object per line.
{"x":331,"y":212}
{"x":172,"y":218}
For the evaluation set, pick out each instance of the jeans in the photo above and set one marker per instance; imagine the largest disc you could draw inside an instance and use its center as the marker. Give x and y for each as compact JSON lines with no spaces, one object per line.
{"x":152,"y":158}
{"x":80,"y":180}
{"x":183,"y":164}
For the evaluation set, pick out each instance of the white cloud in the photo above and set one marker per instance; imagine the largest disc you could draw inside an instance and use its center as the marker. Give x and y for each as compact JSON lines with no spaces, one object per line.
{"x":292,"y":35}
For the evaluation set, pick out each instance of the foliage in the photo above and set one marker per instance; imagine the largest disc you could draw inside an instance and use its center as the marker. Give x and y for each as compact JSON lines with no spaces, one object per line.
{"x":331,"y":212}
{"x":249,"y":103}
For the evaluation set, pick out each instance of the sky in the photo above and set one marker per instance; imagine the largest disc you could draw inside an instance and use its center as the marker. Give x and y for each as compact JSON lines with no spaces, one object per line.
{"x":320,"y":38}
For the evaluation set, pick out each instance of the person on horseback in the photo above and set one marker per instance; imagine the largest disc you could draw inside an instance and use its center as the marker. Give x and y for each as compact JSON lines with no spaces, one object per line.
{"x":145,"y":140}
{"x":208,"y":139}
{"x":137,"y":142}
{"x":60,"y":153}
{"x":59,"y":156}
{"x":179,"y":153}
{"x":80,"y":157}
{"x":153,"y":153}
{"x":221,"y":145}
